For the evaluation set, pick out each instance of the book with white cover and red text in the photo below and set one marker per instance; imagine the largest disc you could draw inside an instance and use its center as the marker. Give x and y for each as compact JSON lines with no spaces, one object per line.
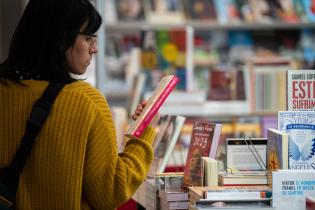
{"x":158,"y":97}
{"x":301,"y":90}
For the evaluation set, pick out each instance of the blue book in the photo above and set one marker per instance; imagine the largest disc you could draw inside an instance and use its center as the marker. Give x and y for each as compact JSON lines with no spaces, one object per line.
{"x":300,"y":125}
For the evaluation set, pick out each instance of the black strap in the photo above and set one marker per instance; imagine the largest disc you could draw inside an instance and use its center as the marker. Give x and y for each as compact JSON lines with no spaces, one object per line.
{"x":40,"y":111}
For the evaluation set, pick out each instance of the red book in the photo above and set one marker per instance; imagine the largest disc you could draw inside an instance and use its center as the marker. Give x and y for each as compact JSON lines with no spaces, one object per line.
{"x":158,"y":97}
{"x":204,"y":143}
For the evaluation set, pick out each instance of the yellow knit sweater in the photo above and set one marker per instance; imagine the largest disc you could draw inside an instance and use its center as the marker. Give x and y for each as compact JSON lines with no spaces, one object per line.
{"x":74,"y":164}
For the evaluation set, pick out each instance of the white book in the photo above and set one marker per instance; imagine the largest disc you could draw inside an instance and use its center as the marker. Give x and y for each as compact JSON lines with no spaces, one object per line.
{"x":300,"y":125}
{"x":301,"y":90}
{"x":291,"y":187}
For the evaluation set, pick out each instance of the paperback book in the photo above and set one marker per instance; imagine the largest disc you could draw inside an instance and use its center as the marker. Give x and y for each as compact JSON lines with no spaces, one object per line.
{"x":243,"y":179}
{"x":291,"y":187}
{"x":301,"y":89}
{"x":277,"y":151}
{"x":209,"y":170}
{"x":159,"y":95}
{"x":237,"y":195}
{"x":246,"y":154}
{"x":300,"y":125}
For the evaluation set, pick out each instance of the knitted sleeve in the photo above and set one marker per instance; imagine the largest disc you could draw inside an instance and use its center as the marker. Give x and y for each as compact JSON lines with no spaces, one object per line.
{"x":110,"y":179}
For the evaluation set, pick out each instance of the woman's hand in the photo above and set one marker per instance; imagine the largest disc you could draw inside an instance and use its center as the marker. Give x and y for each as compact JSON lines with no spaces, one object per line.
{"x":139,"y":110}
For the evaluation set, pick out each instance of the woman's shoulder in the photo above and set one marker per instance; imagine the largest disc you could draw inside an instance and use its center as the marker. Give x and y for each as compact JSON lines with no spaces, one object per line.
{"x":84,"y":89}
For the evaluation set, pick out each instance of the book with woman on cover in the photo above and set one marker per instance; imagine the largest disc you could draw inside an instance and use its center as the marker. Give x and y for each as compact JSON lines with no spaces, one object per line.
{"x":154,"y":103}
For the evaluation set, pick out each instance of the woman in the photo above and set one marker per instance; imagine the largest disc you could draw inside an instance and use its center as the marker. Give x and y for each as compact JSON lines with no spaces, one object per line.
{"x":74,"y":163}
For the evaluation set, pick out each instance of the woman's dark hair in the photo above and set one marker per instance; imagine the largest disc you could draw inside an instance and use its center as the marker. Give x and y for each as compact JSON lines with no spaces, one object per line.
{"x":46,"y":30}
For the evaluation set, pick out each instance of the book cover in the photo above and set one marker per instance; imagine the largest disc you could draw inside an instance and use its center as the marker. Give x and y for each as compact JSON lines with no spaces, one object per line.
{"x":277,"y":150}
{"x":227,"y":12}
{"x":291,"y":187}
{"x":164,"y":11}
{"x":300,"y":125}
{"x":201,"y":10}
{"x":246,"y":154}
{"x":309,"y":7}
{"x":130,"y":10}
{"x":226,"y":83}
{"x":204,"y":142}
{"x":301,"y":90}
{"x":159,"y":95}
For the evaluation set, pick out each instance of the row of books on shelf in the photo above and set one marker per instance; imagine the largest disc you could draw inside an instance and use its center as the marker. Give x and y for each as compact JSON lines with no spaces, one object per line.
{"x":256,"y":86}
{"x":217,"y":11}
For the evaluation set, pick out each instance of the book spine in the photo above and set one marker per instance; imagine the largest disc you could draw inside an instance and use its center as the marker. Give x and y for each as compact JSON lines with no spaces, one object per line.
{"x":155,"y":107}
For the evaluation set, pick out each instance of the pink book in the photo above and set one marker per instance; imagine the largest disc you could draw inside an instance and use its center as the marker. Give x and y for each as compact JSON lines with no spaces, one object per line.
{"x":154,"y":103}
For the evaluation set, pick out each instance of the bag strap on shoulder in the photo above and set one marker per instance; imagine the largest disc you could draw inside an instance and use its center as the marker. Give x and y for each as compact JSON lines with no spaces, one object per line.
{"x":40,"y":111}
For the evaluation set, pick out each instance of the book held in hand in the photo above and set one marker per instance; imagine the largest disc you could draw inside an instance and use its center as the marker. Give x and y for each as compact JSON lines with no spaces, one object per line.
{"x":158,"y":97}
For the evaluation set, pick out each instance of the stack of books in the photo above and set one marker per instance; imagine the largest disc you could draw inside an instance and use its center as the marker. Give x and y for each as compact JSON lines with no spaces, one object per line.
{"x":250,"y":197}
{"x":173,"y":199}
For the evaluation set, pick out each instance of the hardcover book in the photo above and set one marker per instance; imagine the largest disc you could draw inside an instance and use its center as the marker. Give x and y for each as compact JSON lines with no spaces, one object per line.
{"x":301,"y":90}
{"x":204,"y":143}
{"x":159,"y":95}
{"x":300,"y":125}
{"x":291,"y":187}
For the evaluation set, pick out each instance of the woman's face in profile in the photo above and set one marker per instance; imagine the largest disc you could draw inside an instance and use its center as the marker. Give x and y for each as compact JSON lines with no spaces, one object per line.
{"x":79,"y":56}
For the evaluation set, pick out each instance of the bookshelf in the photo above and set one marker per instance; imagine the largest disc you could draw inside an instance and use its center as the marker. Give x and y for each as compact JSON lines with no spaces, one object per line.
{"x":127,"y":27}
{"x":115,"y":27}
